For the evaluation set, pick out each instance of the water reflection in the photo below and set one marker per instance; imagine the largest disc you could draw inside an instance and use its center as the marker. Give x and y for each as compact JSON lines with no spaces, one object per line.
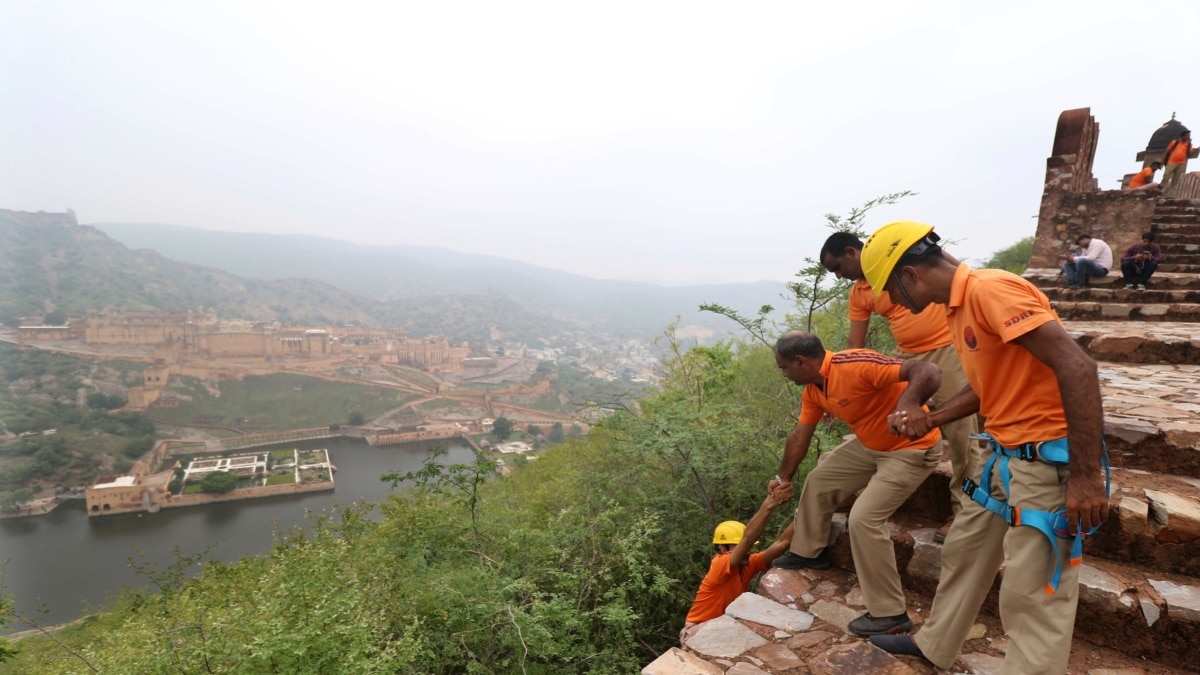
{"x":71,"y":562}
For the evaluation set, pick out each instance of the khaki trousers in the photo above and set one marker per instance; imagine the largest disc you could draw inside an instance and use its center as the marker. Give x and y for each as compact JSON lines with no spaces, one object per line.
{"x":1039,"y":626}
{"x":886,"y":480}
{"x":1172,"y":173}
{"x":964,"y":451}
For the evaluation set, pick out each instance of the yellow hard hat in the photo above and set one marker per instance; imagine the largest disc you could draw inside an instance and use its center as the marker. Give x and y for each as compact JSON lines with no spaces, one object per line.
{"x":729,"y":532}
{"x":886,"y":246}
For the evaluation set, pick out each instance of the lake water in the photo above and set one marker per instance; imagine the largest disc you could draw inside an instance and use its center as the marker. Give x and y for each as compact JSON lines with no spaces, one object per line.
{"x":71,"y":564}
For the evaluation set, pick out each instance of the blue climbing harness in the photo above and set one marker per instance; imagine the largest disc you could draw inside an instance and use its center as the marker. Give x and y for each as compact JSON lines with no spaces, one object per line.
{"x":1053,"y":525}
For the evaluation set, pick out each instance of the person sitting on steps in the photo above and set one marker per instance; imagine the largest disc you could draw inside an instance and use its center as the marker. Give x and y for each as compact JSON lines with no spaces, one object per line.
{"x":1094,"y":259}
{"x":1140,"y":261}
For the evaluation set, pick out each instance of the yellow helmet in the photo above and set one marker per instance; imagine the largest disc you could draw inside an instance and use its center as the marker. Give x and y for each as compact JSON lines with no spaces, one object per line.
{"x":729,"y":532}
{"x":886,"y":246}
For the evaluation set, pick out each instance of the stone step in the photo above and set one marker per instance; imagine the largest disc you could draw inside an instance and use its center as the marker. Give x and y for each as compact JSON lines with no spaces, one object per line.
{"x":1188,"y":251}
{"x":1154,"y":517}
{"x":1150,"y":416}
{"x":1084,"y":310}
{"x":1178,"y":267}
{"x":1176,"y":204}
{"x":1128,"y":342}
{"x":1174,"y":220}
{"x":1139,"y":612}
{"x":1113,"y":292}
{"x":1177,"y":236}
{"x":1128,"y":619}
{"x":1046,"y":278}
{"x":797,"y":622}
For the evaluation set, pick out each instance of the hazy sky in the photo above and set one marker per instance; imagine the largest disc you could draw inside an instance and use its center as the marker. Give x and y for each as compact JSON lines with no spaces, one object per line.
{"x":666,"y":141}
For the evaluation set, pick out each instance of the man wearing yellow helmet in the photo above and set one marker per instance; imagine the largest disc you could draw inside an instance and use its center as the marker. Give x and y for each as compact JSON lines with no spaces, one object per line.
{"x":1040,"y":395}
{"x":734,"y":566}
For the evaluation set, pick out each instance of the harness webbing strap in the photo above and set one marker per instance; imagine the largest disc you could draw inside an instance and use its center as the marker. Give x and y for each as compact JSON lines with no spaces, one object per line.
{"x":1054,"y":525}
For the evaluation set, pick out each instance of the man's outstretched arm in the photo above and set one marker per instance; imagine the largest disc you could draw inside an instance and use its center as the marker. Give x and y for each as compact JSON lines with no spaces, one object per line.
{"x":758,"y":523}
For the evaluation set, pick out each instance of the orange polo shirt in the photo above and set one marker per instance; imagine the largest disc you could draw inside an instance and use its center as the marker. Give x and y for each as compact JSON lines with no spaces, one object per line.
{"x":862,"y":388}
{"x":1142,"y":177}
{"x":723,"y":585}
{"x":1178,"y":152}
{"x":1019,"y":395}
{"x":914,"y":333}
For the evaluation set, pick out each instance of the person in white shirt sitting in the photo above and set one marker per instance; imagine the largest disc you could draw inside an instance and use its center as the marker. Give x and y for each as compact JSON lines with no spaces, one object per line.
{"x":1094,"y":259}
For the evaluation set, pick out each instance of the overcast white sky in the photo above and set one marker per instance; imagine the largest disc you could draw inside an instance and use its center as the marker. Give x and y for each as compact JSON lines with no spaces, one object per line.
{"x":666,"y":141}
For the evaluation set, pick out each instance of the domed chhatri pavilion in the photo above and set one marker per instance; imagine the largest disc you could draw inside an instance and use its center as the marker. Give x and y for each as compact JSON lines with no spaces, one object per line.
{"x":1171,"y":130}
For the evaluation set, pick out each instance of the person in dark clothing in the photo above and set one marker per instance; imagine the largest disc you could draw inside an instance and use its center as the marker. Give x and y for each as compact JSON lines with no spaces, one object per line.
{"x":1140,"y":261}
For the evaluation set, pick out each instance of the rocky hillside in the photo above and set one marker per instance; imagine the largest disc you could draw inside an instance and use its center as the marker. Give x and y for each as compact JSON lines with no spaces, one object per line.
{"x":50,"y":262}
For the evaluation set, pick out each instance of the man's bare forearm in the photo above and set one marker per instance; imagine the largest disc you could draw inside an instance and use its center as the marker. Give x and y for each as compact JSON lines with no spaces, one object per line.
{"x":963,"y":404}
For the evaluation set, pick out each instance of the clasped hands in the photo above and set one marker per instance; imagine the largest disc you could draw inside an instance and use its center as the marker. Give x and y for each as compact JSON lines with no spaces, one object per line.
{"x":780,"y":492}
{"x":910,"y":422}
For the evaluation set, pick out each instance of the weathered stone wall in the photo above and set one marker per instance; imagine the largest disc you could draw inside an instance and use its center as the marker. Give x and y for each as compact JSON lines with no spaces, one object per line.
{"x":247,"y":493}
{"x":1117,"y":217}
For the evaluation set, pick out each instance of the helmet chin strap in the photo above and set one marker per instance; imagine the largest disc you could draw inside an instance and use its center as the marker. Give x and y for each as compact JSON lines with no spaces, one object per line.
{"x":912,"y":306}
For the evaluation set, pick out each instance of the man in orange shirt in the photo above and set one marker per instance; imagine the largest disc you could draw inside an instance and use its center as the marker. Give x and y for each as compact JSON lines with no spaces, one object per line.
{"x":1144,"y":177}
{"x":1040,"y":395}
{"x":920,"y":337}
{"x":861,"y":388}
{"x":734,"y":566}
{"x":1177,"y":154}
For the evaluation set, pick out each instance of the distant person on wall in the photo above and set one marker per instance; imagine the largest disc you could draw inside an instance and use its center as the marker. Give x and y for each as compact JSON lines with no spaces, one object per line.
{"x":921,"y":337}
{"x":1176,"y":156}
{"x":1145,"y":177}
{"x":734,"y":566}
{"x":861,"y":388}
{"x":1140,"y":261}
{"x":1094,"y":259}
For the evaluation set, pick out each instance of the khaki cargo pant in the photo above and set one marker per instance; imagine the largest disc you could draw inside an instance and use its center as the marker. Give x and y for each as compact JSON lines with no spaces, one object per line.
{"x":1038,"y":626}
{"x":886,"y":479}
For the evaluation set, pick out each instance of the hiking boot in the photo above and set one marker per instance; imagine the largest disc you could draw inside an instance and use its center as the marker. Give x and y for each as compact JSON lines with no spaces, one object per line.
{"x":940,"y":535}
{"x":898,"y":644}
{"x":791,"y":561}
{"x":867,"y":625}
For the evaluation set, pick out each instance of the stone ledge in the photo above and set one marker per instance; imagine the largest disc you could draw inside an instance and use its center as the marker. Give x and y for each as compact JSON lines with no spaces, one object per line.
{"x":1138,"y":617}
{"x":1084,"y":309}
{"x":1129,"y":342}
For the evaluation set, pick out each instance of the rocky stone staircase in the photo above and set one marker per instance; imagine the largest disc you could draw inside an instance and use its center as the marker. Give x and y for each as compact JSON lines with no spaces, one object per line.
{"x":1139,"y":606}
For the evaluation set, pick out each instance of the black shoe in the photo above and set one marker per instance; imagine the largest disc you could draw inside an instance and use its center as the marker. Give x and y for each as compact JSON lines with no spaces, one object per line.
{"x":791,"y":561}
{"x":898,"y":644}
{"x":867,"y":625}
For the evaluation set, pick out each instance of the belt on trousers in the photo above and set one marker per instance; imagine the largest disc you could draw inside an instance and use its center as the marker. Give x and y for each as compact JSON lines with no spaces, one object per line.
{"x":1052,"y":524}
